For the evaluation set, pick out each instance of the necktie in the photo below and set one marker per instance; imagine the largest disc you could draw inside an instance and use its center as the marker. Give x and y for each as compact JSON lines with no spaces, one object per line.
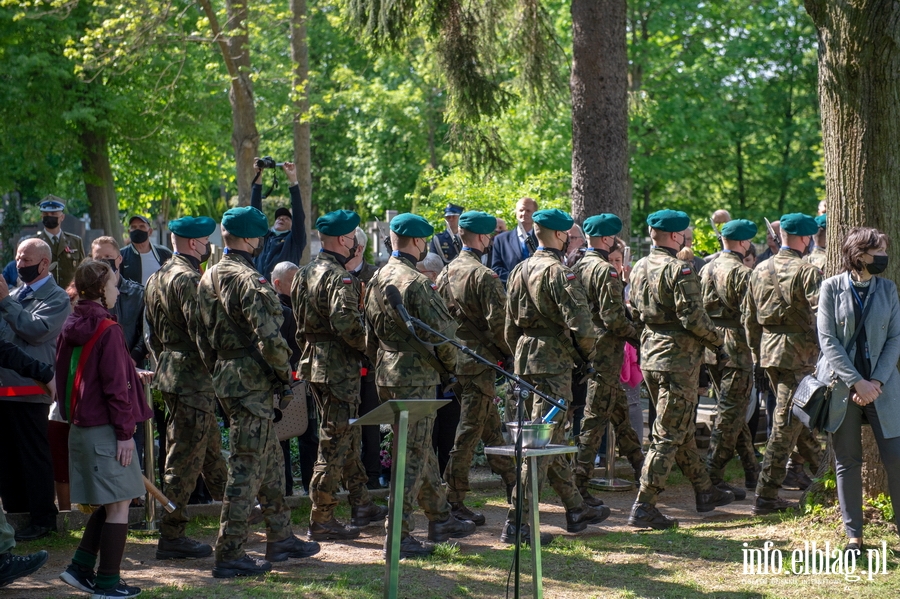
{"x":26,"y":293}
{"x":55,"y":239}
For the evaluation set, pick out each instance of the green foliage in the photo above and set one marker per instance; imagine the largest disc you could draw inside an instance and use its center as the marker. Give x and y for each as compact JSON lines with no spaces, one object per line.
{"x":883,"y":504}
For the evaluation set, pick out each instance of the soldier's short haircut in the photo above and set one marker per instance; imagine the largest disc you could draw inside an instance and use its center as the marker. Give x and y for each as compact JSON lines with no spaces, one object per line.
{"x":859,"y":241}
{"x":543,"y":234}
{"x":228,"y":238}
{"x":39,"y":245}
{"x":400,"y":240}
{"x":361,"y":238}
{"x":106,"y":239}
{"x":282,"y":269}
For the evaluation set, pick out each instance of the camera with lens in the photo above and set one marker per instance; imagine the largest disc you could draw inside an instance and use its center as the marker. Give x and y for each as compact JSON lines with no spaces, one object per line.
{"x":267,"y":162}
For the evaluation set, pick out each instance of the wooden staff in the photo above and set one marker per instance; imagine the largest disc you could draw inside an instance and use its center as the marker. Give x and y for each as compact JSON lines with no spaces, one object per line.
{"x":158,"y":495}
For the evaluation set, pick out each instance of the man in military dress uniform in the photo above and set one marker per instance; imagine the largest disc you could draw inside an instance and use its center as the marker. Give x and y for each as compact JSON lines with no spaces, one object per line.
{"x":241,"y":315}
{"x":549,"y":324}
{"x":66,"y":249}
{"x":331,"y":330}
{"x":665,"y":297}
{"x":476,"y":298}
{"x":448,"y":243}
{"x":605,"y":397}
{"x":192,"y":436}
{"x":780,"y":323}
{"x":818,"y":254}
{"x":405,"y":369}
{"x":724,"y":282}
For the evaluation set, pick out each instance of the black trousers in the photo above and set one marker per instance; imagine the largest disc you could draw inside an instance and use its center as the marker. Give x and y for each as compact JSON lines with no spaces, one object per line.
{"x":444,"y":433}
{"x":26,"y":470}
{"x":371,"y":435}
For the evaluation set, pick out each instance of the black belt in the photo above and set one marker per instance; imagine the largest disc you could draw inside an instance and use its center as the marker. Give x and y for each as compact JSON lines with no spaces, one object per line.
{"x":665,"y":328}
{"x":396,"y":346}
{"x":181,"y":347}
{"x":232,"y":354}
{"x":320,"y":337}
{"x":783,"y":328}
{"x":728,"y":323}
{"x":539,"y":332}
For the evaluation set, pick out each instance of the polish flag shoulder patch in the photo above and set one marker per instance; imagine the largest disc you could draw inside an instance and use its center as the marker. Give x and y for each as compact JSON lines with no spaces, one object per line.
{"x":686,"y":270}
{"x":263,"y":280}
{"x":613,"y":274}
{"x":346,"y":280}
{"x":570,"y":276}
{"x":433,"y":286}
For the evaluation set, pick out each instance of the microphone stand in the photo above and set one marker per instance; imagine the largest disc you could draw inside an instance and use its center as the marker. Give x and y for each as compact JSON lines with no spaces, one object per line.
{"x":522,"y":390}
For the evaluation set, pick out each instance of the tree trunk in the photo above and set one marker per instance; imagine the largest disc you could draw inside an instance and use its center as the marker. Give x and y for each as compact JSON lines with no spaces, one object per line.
{"x":99,"y":184}
{"x":599,"y":85}
{"x":859,"y":58}
{"x":235,"y":48}
{"x":300,"y":93}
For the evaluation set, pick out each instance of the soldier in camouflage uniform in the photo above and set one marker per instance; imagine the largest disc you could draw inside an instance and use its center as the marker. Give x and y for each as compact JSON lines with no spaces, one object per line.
{"x":192,"y":436}
{"x":724,"y":282}
{"x":476,"y":298}
{"x":330,"y":328}
{"x":606,"y":400}
{"x":403,"y":370}
{"x":780,"y":322}
{"x":818,"y":254}
{"x":240,"y":312}
{"x":549,"y":324}
{"x":665,"y":297}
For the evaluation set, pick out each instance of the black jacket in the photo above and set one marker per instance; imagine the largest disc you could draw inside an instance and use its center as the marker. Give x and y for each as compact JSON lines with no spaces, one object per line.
{"x":129,"y":311}
{"x":281,"y":248}
{"x":131,"y":261}
{"x":13,"y":358}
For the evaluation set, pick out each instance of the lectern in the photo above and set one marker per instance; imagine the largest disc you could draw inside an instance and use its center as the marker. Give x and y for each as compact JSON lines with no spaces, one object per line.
{"x":401,"y":413}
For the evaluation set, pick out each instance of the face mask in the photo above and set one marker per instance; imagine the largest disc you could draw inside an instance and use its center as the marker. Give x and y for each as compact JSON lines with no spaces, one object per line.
{"x":50,"y":222}
{"x":683,"y":243}
{"x":353,"y":248}
{"x":206,"y":253}
{"x":879,"y":265}
{"x":112,"y":263}
{"x":565,"y":246}
{"x":258,"y":249}
{"x":424,"y":253}
{"x":29,"y":273}
{"x":138,"y":236}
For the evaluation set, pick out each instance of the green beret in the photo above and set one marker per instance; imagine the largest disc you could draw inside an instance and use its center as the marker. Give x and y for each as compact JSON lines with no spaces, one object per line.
{"x":739,"y":229}
{"x":554,"y":219}
{"x":799,"y":224}
{"x":480,"y":223}
{"x":192,"y":227}
{"x":602,"y":225}
{"x":822,"y":221}
{"x":337,"y":223}
{"x":245,"y":221}
{"x":669,"y":221}
{"x":411,"y":225}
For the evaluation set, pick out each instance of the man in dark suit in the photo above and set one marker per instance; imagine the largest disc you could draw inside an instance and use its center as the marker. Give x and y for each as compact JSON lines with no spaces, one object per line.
{"x":512,"y":247}
{"x":30,"y":317}
{"x":66,"y":249}
{"x":447,"y":243}
{"x":141,"y":258}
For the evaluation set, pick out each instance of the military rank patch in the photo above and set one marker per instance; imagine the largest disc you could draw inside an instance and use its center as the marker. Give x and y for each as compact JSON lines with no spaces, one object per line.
{"x":686,"y":270}
{"x":347,"y":280}
{"x":263,"y":280}
{"x":570,"y":276}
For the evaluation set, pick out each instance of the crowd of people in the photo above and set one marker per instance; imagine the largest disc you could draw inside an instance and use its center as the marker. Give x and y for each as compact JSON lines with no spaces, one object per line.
{"x":555,"y":302}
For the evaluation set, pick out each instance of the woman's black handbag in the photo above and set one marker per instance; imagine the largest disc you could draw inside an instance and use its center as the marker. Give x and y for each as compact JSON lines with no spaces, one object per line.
{"x":811,"y":399}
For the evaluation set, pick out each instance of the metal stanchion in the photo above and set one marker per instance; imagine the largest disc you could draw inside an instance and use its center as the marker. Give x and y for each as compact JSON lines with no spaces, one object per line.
{"x":610,"y":482}
{"x":149,"y":524}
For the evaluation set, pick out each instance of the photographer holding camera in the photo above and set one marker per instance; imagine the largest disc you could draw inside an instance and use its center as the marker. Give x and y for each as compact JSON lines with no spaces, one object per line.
{"x":285,"y":241}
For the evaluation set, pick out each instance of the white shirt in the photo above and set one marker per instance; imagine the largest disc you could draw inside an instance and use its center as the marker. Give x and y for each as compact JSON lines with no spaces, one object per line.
{"x":149,"y":265}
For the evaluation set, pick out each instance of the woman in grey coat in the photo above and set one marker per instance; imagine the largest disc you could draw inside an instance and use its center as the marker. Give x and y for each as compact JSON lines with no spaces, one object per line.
{"x":867,"y":383}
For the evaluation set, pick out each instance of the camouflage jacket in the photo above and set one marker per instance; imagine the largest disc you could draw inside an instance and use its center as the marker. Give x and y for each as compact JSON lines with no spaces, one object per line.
{"x":665,"y":297}
{"x":817,"y":258}
{"x":397,"y":363}
{"x":173,"y":318}
{"x":724,"y":282}
{"x":254,"y":307}
{"x":782,"y":334}
{"x":546,"y":313}
{"x":475,"y":296}
{"x":330,"y":326}
{"x":606,"y":299}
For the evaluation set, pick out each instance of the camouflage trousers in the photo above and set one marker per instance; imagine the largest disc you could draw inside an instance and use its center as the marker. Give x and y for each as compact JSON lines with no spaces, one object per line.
{"x":731,"y":415}
{"x":423,"y":482}
{"x":339,"y":450}
{"x":605,"y":403}
{"x":672,"y":440}
{"x":555,"y":469}
{"x":785,"y":433}
{"x":194,"y":448}
{"x":255,"y":472}
{"x":478,"y":419}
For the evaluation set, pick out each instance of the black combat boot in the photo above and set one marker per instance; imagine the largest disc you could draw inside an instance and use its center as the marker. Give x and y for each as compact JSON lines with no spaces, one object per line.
{"x":439,"y":532}
{"x":363,"y":515}
{"x":764,"y":506}
{"x":738,"y":492}
{"x":291,"y":547}
{"x":410,"y":546}
{"x":509,"y":534}
{"x":181,"y":548}
{"x":243,"y":566}
{"x":578,"y":519}
{"x":461,"y":512}
{"x":645,"y":515}
{"x":712,"y":498}
{"x":331,"y":530}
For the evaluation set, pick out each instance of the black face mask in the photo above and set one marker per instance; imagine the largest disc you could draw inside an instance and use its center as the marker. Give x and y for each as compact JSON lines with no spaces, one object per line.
{"x":879,"y":265}
{"x":138,"y":236}
{"x":565,"y":247}
{"x":424,"y":253}
{"x":258,"y":249}
{"x":29,"y":273}
{"x":111,"y":262}
{"x":50,"y":222}
{"x":206,"y":253}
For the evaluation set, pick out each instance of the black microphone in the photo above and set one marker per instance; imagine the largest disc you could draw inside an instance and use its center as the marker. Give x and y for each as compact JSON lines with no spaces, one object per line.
{"x":393,"y":297}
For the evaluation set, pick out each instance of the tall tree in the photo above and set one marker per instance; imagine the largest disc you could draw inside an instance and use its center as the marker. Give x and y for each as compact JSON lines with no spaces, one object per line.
{"x":599,"y":84}
{"x":300,"y":93}
{"x":859,"y":94}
